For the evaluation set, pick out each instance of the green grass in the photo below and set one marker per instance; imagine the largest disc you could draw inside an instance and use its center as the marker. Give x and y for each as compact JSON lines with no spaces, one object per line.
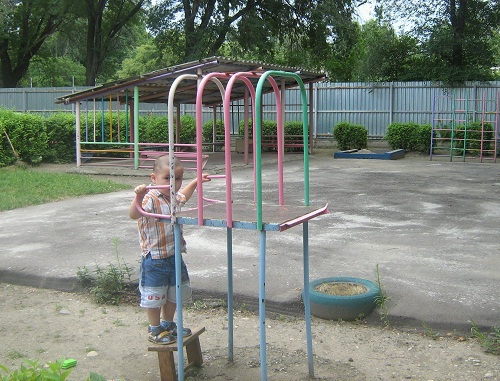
{"x":23,"y":187}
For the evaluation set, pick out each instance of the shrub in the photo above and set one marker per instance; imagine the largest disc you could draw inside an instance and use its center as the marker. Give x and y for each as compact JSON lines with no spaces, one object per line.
{"x":269,"y":128}
{"x":155,"y":129}
{"x":98,"y":128}
{"x":7,"y":156}
{"x":61,"y":138}
{"x":294,"y":132}
{"x":208,"y":130}
{"x":423,"y":137}
{"x":107,"y":285}
{"x":350,"y":136}
{"x":409,"y":136}
{"x":403,"y":136}
{"x":27,"y":134}
{"x":472,"y":135}
{"x":187,"y":134}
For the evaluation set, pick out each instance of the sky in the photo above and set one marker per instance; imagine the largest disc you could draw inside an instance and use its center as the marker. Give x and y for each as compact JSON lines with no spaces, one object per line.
{"x":365,"y":12}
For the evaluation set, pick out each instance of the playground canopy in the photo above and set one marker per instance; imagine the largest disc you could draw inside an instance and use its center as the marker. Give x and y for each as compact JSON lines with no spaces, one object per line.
{"x":154,"y":87}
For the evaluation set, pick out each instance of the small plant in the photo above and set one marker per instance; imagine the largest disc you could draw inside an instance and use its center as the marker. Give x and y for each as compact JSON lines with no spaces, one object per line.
{"x":429,"y":332}
{"x":382,"y":300}
{"x":33,"y":370}
{"x":107,"y":285}
{"x":490,"y":342}
{"x":13,"y":355}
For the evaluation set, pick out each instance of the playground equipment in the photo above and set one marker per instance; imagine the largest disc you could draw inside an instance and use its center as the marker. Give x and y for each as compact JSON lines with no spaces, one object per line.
{"x":214,"y":81}
{"x":231,"y":215}
{"x":465,"y":128}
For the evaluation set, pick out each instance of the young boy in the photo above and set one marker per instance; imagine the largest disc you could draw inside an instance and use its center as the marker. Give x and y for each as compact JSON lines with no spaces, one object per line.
{"x":157,"y":268}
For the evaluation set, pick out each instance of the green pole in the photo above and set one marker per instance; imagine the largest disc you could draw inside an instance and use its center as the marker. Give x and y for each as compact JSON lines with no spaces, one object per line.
{"x":136,"y":127}
{"x":258,"y":138}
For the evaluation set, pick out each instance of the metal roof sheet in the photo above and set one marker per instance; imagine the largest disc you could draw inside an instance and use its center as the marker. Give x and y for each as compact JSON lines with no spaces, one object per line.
{"x":154,"y":87}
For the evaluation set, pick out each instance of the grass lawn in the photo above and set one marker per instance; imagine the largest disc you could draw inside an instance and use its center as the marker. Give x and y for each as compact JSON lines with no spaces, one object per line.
{"x":21,"y":187}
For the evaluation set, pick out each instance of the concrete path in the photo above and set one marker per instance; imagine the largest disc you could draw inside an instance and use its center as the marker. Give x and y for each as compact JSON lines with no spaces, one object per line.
{"x":431,"y":227}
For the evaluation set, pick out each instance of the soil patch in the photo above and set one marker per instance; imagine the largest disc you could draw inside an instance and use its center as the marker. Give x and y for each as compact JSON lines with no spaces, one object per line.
{"x":112,"y":341}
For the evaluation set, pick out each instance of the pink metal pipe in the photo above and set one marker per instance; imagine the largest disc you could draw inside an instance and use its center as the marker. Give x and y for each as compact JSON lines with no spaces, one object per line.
{"x":156,"y":215}
{"x":227,"y":138}
{"x":280,"y":128}
{"x":199,"y":132}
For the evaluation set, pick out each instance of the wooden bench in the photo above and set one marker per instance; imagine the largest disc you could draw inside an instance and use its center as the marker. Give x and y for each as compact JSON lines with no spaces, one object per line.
{"x":166,"y":354}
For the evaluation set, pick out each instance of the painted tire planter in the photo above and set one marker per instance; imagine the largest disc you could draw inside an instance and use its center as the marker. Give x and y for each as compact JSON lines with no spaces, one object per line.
{"x":334,"y":307}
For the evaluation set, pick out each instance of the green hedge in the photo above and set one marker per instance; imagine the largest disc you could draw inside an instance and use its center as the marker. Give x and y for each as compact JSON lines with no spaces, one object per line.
{"x":27,"y":134}
{"x":409,"y":136}
{"x":472,"y":132}
{"x":61,"y":138}
{"x":208,"y":132}
{"x":293,"y":131}
{"x":350,"y":136}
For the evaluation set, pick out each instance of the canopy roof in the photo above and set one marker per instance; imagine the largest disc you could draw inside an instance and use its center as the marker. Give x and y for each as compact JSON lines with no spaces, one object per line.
{"x":154,"y":87}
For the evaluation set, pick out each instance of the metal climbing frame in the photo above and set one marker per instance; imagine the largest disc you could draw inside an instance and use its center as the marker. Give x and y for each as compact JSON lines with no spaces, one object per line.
{"x":232,"y":215}
{"x":465,"y":128}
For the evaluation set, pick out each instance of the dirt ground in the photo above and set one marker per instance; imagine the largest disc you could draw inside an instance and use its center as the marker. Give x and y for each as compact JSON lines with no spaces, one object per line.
{"x":112,"y":341}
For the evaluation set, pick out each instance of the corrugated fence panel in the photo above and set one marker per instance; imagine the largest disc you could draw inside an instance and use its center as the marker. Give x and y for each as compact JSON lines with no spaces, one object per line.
{"x":40,"y":100}
{"x":373,"y":105}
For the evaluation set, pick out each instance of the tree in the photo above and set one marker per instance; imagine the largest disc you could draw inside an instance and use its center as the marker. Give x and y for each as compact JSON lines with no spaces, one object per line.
{"x":54,"y":65}
{"x":105,"y":22}
{"x":383,"y":55}
{"x":144,"y":59}
{"x":278,"y":30}
{"x":456,"y":35}
{"x":24,"y":27}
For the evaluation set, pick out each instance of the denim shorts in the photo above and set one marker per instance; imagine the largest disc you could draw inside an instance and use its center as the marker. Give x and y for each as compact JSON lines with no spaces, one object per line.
{"x":157,"y":281}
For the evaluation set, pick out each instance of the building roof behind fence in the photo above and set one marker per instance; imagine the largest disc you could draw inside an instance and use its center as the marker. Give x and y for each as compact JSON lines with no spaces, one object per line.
{"x":154,"y":87}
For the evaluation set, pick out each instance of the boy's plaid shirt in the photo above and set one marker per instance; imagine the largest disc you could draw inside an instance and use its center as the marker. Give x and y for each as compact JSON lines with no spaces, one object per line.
{"x":157,"y":237}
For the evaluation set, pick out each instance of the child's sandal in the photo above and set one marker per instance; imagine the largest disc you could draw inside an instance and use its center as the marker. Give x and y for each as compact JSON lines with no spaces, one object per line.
{"x":162,"y":338}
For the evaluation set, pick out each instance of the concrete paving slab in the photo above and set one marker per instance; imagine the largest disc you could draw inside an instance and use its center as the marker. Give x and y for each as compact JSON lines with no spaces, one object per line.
{"x":431,"y":227}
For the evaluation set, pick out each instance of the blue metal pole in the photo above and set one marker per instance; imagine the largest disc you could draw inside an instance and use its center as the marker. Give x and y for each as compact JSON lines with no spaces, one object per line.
{"x":262,"y":305}
{"x":230,"y":293}
{"x":307,"y":304}
{"x":178,"y":299}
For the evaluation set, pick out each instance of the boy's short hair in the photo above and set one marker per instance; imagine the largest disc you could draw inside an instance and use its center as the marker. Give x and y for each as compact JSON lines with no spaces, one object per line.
{"x":164,"y":161}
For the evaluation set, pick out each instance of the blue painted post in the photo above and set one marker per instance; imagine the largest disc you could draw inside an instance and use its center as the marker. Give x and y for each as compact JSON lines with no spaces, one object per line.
{"x":262,"y":305}
{"x":178,"y":299}
{"x":307,"y":303}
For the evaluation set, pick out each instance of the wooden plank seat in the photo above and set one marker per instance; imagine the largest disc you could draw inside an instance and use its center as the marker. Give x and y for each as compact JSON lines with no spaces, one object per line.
{"x":166,"y":354}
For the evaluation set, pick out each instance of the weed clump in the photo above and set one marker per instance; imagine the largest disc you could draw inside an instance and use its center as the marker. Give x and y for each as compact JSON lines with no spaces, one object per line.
{"x":107,"y":285}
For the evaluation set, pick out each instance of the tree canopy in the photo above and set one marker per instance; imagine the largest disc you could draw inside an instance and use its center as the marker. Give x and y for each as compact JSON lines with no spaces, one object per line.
{"x":63,"y":42}
{"x":456,"y":36}
{"x":24,"y":27}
